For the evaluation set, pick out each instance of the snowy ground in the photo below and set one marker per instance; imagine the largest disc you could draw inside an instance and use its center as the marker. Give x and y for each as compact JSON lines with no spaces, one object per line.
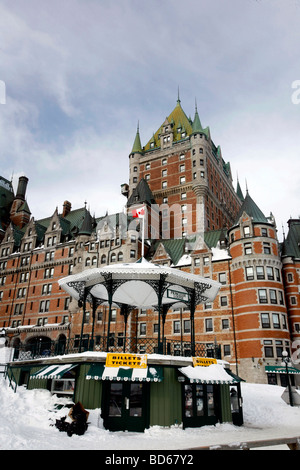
{"x":26,"y":417}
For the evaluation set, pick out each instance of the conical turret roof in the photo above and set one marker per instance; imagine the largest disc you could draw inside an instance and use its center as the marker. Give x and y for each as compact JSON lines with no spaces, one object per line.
{"x":252,"y":210}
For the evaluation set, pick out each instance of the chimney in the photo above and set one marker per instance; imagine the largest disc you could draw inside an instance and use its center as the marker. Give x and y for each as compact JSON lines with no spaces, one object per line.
{"x":66,"y":208}
{"x":22,"y":186}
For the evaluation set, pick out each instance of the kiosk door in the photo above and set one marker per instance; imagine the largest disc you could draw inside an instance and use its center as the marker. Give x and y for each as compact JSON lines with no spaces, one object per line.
{"x":125,"y":406}
{"x":200,"y":405}
{"x":236,"y":404}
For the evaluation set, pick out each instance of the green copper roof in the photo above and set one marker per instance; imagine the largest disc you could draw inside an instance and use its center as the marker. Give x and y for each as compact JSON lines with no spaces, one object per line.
{"x":174,"y":248}
{"x":196,"y":123}
{"x":239,"y":192}
{"x":252,"y":210}
{"x":137,"y":147}
{"x":179,"y":120}
{"x":291,"y":245}
{"x":142,"y":193}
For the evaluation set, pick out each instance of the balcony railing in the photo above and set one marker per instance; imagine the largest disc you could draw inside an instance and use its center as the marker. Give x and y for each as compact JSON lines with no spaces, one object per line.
{"x":41,"y":349}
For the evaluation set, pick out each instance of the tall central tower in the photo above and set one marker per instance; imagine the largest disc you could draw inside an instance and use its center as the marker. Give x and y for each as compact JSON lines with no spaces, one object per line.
{"x":186,"y":174}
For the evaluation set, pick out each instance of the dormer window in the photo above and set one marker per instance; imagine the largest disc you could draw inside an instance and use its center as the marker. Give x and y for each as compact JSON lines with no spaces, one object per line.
{"x":183,"y":134}
{"x":179,"y":130}
{"x":152,"y":145}
{"x":54,"y":226}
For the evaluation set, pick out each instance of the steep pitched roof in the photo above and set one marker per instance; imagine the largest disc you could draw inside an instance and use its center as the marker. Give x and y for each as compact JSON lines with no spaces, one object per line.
{"x":141,"y":194}
{"x":173,"y":247}
{"x":137,"y":146}
{"x":291,"y":245}
{"x":239,"y":192}
{"x":178,"y":119}
{"x":252,"y":210}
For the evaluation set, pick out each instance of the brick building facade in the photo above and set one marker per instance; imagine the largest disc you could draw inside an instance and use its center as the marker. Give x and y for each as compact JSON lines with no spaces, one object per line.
{"x":195,"y":221}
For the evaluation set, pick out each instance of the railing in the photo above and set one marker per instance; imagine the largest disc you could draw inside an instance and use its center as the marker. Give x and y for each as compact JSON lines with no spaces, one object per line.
{"x":131,"y":345}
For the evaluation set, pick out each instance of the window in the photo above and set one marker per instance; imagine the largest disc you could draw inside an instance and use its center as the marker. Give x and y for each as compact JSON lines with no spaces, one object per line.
{"x":103,"y":259}
{"x":48,"y":273}
{"x":44,"y":306}
{"x":208,"y":324}
{"x":46,"y":289}
{"x":164,"y":161}
{"x":164,"y":184}
{"x":164,"y":173}
{"x":260,"y":273}
{"x":264,"y":232}
{"x":182,"y":179}
{"x":280,"y":296}
{"x":249,"y":273}
{"x":248,"y":249}
{"x":225,"y":324}
{"x":147,"y":166}
{"x":205,"y":260}
{"x":290,"y":277}
{"x":268,"y":347}
{"x":183,"y":196}
{"x":276,"y":321}
{"x":270,"y":273}
{"x":246,"y":231}
{"x":273,"y":296}
{"x":132,"y":253}
{"x":223,"y":301}
{"x":222,"y":278}
{"x":266,"y":248}
{"x":226,"y":349}
{"x":147,"y":177}
{"x":186,"y":326}
{"x":265,"y":320}
{"x":182,"y":156}
{"x":176,"y":326}
{"x":262,"y":296}
{"x":142,"y":329}
{"x":182,"y":168}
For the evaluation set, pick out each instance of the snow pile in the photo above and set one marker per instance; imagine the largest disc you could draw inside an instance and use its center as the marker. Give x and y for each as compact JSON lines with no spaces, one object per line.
{"x":211,"y":373}
{"x":28,"y":416}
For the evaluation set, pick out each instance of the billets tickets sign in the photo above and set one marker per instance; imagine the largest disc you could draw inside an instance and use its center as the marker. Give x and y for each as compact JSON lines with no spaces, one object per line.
{"x":138,"y":361}
{"x":203,"y":361}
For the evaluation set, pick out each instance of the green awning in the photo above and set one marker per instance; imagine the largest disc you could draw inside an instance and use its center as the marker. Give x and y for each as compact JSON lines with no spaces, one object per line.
{"x":52,"y":372}
{"x":281,"y":370}
{"x":148,"y":374}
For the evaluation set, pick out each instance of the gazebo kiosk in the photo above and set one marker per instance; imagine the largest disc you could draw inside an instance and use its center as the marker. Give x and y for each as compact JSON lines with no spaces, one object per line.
{"x":140,"y":285}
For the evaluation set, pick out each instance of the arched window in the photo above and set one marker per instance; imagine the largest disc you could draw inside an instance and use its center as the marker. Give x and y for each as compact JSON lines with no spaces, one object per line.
{"x":113,"y":258}
{"x":103,"y":259}
{"x":94,"y":261}
{"x":88,"y":262}
{"x":120,"y":256}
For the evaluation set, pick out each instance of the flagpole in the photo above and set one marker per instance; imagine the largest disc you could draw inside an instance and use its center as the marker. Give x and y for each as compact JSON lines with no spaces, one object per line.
{"x":143,"y":235}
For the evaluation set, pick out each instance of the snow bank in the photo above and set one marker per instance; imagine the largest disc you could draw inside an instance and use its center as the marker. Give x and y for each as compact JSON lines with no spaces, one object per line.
{"x":27,"y":418}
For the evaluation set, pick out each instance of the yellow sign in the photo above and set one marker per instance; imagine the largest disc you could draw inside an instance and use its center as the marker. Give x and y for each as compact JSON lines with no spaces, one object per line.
{"x":203,"y":361}
{"x":138,"y":361}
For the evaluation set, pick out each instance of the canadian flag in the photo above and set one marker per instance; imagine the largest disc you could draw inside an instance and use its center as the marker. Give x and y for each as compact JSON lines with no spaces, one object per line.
{"x":139,"y":213}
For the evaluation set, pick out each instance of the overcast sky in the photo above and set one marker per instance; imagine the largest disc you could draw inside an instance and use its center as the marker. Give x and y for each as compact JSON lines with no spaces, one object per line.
{"x":80,"y":74}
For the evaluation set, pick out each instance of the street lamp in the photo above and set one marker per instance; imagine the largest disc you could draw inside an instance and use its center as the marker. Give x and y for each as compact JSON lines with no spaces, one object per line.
{"x":286,"y":362}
